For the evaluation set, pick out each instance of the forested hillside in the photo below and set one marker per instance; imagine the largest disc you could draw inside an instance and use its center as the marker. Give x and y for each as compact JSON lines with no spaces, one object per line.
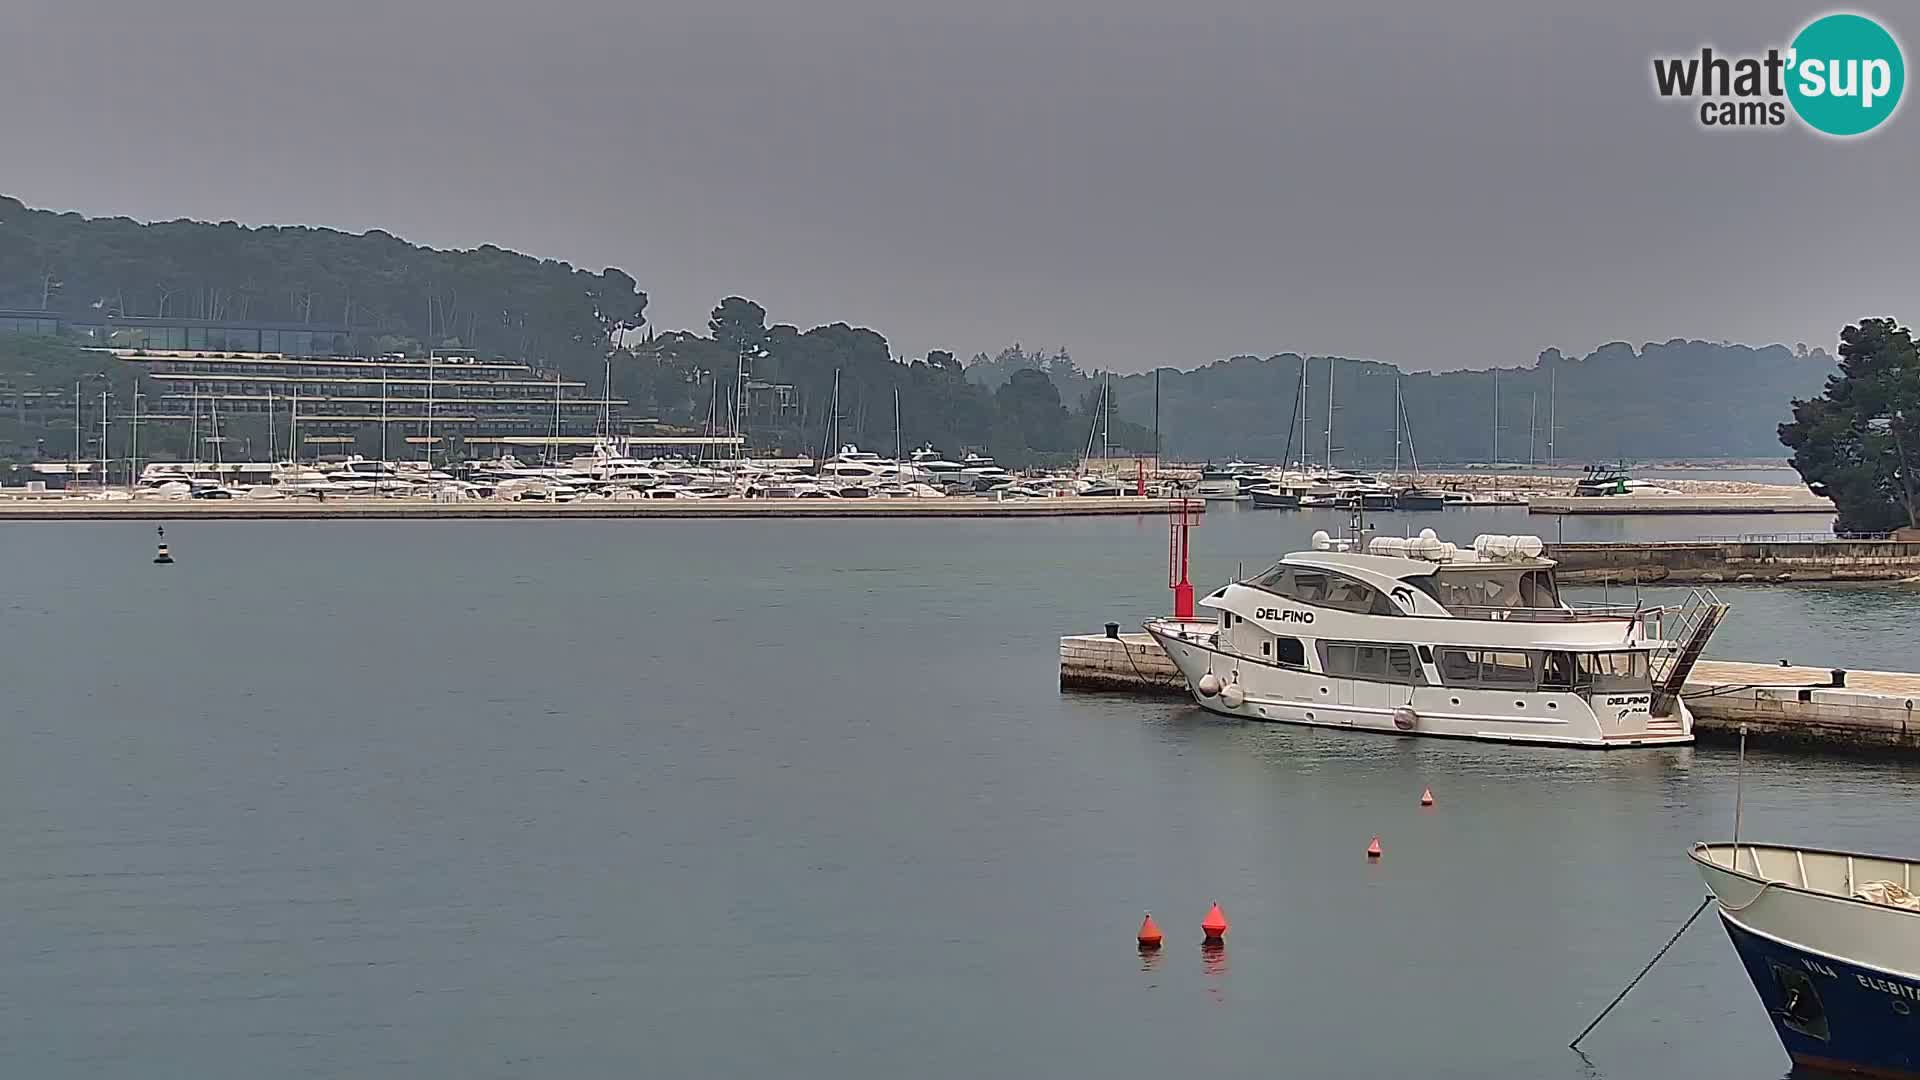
{"x":1679,"y":399}
{"x":394,"y":295}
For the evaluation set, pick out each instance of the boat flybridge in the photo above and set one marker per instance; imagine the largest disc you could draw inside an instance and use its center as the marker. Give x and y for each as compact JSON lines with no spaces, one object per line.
{"x":1418,"y":636}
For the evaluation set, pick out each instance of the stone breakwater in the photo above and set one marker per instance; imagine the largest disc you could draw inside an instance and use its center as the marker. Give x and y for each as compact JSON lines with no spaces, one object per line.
{"x":1713,"y":562}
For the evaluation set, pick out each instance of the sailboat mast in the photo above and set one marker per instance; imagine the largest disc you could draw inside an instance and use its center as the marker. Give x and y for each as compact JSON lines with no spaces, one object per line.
{"x":1553,"y":386}
{"x":606,"y":400}
{"x":133,"y":436}
{"x":1396,"y":425}
{"x":1413,"y":452}
{"x":739,"y":394}
{"x":429,"y":446}
{"x":1496,"y":416}
{"x":1329,"y":414}
{"x":1304,"y":458}
{"x":1106,"y":418}
{"x":553,"y":449}
{"x":1156,"y":421}
{"x":1533,"y":418}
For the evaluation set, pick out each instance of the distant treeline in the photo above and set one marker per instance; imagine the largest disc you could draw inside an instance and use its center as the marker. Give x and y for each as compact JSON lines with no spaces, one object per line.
{"x":394,"y":296}
{"x":1678,"y":399}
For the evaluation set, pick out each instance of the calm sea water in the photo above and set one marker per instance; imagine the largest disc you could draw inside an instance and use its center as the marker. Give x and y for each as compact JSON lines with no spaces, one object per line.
{"x":503,"y":799}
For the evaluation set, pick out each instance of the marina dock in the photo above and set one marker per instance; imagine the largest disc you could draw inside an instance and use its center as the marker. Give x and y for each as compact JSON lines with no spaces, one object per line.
{"x":70,"y":509}
{"x":1793,"y":706}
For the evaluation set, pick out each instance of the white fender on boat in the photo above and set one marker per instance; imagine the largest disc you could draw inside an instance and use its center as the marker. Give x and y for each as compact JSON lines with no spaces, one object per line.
{"x":1208,"y":685}
{"x":1232,"y":696}
{"x":1405,"y":718}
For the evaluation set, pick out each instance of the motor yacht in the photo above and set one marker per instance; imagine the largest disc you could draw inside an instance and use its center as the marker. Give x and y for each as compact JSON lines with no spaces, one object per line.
{"x":1418,"y":636}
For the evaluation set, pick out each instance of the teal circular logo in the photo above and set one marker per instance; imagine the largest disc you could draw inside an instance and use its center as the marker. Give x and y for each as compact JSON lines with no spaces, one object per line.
{"x":1846,"y":74}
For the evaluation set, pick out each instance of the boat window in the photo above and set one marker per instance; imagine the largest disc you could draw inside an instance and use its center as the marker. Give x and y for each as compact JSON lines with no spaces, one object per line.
{"x":1291,"y":651}
{"x":1457,"y":666}
{"x":1614,"y":670}
{"x":1479,"y":588}
{"x":1379,"y":663}
{"x":1274,"y":580}
{"x":1506,"y":668}
{"x":1340,"y":660}
{"x":1324,"y":589}
{"x":1308,"y":586}
{"x":1544,"y":594}
{"x":1426,"y":584}
{"x":1557,"y":670}
{"x":1400,"y":665}
{"x":1346,"y":594}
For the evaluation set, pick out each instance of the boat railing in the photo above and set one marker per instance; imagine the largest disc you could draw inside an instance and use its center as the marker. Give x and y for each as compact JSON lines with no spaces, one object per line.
{"x":1572,"y":613}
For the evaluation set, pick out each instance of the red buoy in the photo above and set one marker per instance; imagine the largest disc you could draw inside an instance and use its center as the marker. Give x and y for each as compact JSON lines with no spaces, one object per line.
{"x":1373,"y":849}
{"x":1149,"y":933}
{"x":1215,"y":924}
{"x":1426,"y":797}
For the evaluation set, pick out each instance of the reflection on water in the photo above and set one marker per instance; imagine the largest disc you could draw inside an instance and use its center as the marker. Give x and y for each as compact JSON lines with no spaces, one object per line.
{"x":1213,"y":967}
{"x":1151,"y":957}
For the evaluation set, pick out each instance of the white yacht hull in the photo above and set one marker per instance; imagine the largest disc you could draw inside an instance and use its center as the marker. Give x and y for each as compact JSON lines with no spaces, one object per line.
{"x":1297,"y":696}
{"x":1219,"y":490}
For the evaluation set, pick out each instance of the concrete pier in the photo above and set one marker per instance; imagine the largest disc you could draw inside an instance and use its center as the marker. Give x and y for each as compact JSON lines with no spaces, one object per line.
{"x":1708,"y":561}
{"x":66,"y":509}
{"x":1795,"y":706}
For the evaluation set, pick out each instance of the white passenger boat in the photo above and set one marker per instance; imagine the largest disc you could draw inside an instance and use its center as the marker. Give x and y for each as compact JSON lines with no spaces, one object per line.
{"x":1831,"y":940}
{"x":1420,"y":637}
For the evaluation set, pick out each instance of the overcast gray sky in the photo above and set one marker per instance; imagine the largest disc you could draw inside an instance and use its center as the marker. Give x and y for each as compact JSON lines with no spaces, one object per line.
{"x":1436,"y":185}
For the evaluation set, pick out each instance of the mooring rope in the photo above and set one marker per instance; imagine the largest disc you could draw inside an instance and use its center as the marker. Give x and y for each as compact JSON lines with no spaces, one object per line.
{"x":1575,"y":1044}
{"x":1151,"y":680}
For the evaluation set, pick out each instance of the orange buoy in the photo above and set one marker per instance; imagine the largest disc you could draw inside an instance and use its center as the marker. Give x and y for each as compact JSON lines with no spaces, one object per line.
{"x":1215,"y":924}
{"x":1149,"y":937}
{"x":1373,"y":849}
{"x":1426,"y":797}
